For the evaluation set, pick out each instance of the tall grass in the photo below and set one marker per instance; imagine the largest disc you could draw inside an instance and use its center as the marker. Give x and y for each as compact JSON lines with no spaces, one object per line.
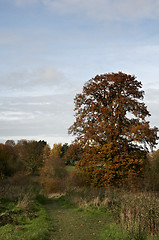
{"x":137,"y":213}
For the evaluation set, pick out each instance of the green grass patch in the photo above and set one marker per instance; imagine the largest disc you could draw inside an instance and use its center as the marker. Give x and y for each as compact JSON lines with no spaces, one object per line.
{"x":37,"y":228}
{"x":113,"y":231}
{"x":66,"y":203}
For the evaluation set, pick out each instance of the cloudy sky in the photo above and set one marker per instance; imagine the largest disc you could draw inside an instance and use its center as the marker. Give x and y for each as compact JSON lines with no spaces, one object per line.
{"x":50,"y":48}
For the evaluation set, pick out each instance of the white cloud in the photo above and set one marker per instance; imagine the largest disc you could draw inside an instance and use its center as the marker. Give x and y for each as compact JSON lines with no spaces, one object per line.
{"x":15,"y":116}
{"x":43,"y":117}
{"x":101,"y":9}
{"x":108,"y":9}
{"x":45,"y":77}
{"x":152,"y":95}
{"x":8,"y":38}
{"x":22,"y":3}
{"x":49,"y":76}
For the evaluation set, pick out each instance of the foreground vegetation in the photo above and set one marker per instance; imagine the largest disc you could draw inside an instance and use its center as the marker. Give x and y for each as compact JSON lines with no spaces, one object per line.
{"x":132,"y":212}
{"x":22,"y":214}
{"x":128,"y":215}
{"x":136,"y":215}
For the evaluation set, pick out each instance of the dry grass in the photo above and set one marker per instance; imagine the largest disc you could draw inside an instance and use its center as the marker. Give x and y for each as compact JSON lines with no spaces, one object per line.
{"x":140,"y":213}
{"x":137,"y":213}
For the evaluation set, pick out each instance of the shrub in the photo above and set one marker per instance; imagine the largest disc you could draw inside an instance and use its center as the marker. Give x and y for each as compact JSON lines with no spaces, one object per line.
{"x":20,"y":178}
{"x":53,"y":174}
{"x":54,"y":185}
{"x":75,"y":179}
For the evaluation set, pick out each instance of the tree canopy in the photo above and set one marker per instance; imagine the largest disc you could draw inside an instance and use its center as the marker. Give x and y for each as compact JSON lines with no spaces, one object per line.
{"x":30,"y":154}
{"x":73,"y":154}
{"x":111,"y":125}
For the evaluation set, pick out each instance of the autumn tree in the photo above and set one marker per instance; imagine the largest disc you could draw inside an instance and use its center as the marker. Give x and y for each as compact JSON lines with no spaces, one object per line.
{"x":46,"y":152}
{"x":112,"y":128}
{"x":57,"y":149}
{"x":30,"y":154}
{"x":73,"y":154}
{"x":53,"y":172}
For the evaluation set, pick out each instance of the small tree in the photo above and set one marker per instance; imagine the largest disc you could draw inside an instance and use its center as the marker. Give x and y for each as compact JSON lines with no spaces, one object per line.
{"x":53,"y":173}
{"x":112,"y":128}
{"x":30,"y":153}
{"x":57,"y":149}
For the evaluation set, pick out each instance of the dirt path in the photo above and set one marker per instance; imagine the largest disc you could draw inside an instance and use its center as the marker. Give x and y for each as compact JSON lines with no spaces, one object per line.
{"x":72,"y":224}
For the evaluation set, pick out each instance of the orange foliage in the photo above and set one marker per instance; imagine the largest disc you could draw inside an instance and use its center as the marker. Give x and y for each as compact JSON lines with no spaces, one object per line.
{"x":112,"y":129}
{"x":73,"y":154}
{"x":54,"y":185}
{"x":53,"y":173}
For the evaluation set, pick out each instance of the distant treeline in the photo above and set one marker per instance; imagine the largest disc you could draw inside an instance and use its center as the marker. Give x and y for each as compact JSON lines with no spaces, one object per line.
{"x":29,"y":156}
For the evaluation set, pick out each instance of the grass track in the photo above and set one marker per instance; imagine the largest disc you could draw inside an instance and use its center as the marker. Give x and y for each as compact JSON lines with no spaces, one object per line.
{"x":72,"y":224}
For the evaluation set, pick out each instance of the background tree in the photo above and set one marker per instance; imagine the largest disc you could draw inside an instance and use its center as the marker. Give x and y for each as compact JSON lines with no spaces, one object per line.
{"x":30,"y":153}
{"x":111,"y":127}
{"x":152,"y":171}
{"x":10,"y":143}
{"x":73,"y":154}
{"x":64,"y":149}
{"x":8,"y":160}
{"x":46,"y":152}
{"x":57,"y":149}
{"x":53,"y":172}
